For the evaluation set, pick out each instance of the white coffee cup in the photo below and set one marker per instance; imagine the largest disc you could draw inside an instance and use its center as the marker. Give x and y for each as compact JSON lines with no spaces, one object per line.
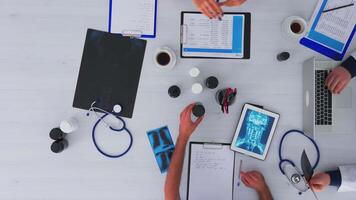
{"x":165,"y":58}
{"x":294,"y":27}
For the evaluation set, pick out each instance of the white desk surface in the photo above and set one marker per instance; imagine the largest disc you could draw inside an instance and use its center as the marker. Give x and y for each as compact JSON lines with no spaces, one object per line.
{"x":41,"y":45}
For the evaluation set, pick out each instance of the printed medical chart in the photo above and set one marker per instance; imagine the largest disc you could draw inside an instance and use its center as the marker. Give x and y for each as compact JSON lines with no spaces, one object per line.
{"x":203,"y":37}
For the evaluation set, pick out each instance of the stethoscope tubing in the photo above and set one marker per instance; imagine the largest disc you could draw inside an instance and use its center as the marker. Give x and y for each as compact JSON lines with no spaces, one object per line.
{"x":281,"y":160}
{"x":123,"y":128}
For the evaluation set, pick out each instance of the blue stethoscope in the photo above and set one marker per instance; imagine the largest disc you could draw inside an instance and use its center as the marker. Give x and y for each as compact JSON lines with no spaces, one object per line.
{"x":115,"y":112}
{"x":295,"y":176}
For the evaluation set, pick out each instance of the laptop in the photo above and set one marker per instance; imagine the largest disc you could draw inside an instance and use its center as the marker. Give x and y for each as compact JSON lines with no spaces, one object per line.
{"x":323,"y":112}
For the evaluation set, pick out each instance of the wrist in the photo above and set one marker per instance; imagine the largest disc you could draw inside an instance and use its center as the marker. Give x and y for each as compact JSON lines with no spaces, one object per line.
{"x":183,"y":138}
{"x":264,"y":190}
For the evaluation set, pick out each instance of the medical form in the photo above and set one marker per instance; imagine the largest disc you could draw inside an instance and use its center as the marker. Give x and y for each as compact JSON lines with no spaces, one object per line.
{"x":331,"y":31}
{"x":203,"y":37}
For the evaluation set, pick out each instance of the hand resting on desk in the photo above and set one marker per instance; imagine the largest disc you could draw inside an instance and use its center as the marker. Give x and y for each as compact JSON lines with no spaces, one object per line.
{"x":256,"y":181}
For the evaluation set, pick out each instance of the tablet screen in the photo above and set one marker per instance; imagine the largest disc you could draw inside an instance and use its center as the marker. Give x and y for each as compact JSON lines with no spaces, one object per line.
{"x":254,"y":132}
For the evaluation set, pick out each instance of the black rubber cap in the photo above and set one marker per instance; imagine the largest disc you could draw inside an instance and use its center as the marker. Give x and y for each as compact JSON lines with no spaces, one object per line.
{"x":198,"y":110}
{"x":174,"y":91}
{"x":56,"y":134}
{"x":59,"y":145}
{"x":212,"y":82}
{"x":283,"y":56}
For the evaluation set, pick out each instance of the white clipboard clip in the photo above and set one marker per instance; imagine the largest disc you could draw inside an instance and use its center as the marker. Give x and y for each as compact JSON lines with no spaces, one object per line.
{"x":183,"y":34}
{"x":132,"y":33}
{"x":212,"y":146}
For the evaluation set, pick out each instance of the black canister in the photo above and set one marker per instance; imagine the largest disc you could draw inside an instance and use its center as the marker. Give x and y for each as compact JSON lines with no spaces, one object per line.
{"x":57,"y":134}
{"x":283,"y":56}
{"x":212,"y":82}
{"x":198,"y":110}
{"x":59,"y":145}
{"x":174,"y":91}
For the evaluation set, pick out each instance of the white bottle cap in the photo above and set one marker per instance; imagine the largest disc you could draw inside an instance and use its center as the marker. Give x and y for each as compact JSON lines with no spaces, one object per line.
{"x":194,"y":72}
{"x":69,"y":126}
{"x":197,"y":88}
{"x":117,"y":108}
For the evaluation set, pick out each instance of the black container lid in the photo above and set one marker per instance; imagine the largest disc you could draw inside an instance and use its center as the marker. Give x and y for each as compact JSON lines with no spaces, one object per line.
{"x":283,"y":56}
{"x":198,"y":110}
{"x":212,"y":82}
{"x":174,"y":91}
{"x":58,"y":146}
{"x":56,"y":134}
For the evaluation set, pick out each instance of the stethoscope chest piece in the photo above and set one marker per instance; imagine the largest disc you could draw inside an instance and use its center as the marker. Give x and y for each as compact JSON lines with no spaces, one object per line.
{"x":296,"y":178}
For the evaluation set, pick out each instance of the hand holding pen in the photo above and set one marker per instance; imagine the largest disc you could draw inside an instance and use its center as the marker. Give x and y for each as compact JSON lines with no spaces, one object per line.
{"x":212,"y":8}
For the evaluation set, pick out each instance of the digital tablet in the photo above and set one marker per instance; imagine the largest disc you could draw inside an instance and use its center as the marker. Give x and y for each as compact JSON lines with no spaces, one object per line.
{"x":254,"y":131}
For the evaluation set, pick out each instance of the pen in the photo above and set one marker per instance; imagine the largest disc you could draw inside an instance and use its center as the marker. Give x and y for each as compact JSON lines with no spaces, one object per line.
{"x":239,"y":180}
{"x":316,"y":197}
{"x":332,"y":9}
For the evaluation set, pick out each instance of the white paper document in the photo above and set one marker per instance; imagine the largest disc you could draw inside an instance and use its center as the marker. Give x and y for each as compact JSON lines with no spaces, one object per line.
{"x":203,"y":37}
{"x":332,"y":29}
{"x":133,"y":17}
{"x":211,"y":173}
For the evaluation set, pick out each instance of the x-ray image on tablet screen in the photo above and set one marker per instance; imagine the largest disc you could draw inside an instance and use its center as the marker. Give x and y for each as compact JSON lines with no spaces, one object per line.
{"x":254,"y":131}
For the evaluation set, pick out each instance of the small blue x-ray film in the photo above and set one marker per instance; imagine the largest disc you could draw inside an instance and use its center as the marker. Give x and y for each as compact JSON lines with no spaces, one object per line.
{"x":254,"y":131}
{"x":162,"y":146}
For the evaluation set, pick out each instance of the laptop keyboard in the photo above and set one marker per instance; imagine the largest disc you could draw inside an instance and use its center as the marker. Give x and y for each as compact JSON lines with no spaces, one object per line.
{"x":323,"y":99}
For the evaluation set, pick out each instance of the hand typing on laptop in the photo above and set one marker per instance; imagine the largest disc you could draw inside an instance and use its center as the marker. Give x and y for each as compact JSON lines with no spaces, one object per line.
{"x":339,"y":78}
{"x":212,"y":9}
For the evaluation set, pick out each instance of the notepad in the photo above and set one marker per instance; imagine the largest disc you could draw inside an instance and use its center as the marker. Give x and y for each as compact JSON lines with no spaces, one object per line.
{"x":205,"y":38}
{"x":133,"y":17}
{"x":330,"y":33}
{"x":211,"y":171}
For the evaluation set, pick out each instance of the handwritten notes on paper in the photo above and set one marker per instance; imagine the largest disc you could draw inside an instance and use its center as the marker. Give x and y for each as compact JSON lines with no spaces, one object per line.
{"x":135,"y":17}
{"x":211,"y":172}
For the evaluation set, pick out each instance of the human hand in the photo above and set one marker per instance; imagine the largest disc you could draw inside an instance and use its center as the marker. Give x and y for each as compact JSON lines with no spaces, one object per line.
{"x":210,"y":8}
{"x":319,"y":181}
{"x":254,"y":180}
{"x":338,"y":79}
{"x":231,"y":3}
{"x":187,"y":126}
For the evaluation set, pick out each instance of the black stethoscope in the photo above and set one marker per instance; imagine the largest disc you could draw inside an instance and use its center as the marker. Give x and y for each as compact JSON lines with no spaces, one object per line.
{"x":116,"y":110}
{"x":293,"y":174}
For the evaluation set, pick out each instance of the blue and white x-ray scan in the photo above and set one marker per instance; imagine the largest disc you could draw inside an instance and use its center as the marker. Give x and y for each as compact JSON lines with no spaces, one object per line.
{"x":254,"y":132}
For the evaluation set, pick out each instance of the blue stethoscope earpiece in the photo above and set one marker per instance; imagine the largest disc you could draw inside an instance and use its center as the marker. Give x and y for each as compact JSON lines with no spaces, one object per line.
{"x":116,"y":109}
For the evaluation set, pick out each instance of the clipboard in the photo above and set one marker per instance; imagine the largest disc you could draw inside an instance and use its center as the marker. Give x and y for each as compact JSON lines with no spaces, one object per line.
{"x":322,"y":43}
{"x":225,"y":174}
{"x":109,"y":72}
{"x":246,"y":34}
{"x":134,"y":33}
